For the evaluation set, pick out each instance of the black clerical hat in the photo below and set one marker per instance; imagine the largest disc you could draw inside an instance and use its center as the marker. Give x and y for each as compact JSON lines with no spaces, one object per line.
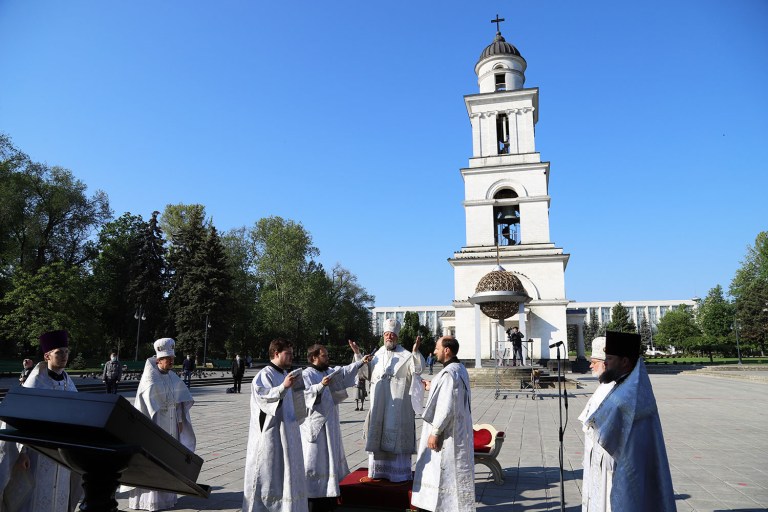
{"x":52,"y":340}
{"x":623,"y":344}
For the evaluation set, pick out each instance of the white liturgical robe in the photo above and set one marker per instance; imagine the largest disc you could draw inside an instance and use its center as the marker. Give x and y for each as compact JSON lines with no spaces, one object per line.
{"x":598,"y":465}
{"x":444,"y":480}
{"x":274,"y":466}
{"x":55,"y":488}
{"x":166,"y":400}
{"x":396,"y":392}
{"x":324,"y":459}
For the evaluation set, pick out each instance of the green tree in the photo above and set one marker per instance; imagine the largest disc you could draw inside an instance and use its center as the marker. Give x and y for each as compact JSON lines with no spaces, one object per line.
{"x":646,"y":332}
{"x":48,"y":299}
{"x":752,"y":316}
{"x":591,"y":331}
{"x":59,"y":218}
{"x":217,"y":291}
{"x":677,"y":329}
{"x":178,"y":217}
{"x":188,"y":300}
{"x":754,"y":267}
{"x":149,"y":280}
{"x":350,"y":304}
{"x":715,"y":315}
{"x":246,"y":326}
{"x":118,"y":245}
{"x":411,"y":329}
{"x":620,"y":320}
{"x":282,"y":253}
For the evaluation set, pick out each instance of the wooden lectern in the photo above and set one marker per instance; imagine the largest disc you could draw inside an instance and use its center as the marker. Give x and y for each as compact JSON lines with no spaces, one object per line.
{"x":104,"y":439}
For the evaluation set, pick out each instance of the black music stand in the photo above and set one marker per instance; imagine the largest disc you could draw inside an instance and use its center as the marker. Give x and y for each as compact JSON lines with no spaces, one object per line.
{"x":104,"y":439}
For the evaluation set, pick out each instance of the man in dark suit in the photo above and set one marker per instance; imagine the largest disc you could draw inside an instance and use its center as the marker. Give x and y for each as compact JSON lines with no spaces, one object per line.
{"x":238,"y":370}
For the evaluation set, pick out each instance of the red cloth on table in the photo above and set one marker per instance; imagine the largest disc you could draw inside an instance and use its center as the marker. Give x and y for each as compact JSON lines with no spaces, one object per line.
{"x":360,"y":491}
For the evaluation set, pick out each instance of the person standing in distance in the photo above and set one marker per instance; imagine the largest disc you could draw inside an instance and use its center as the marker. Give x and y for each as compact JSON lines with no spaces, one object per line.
{"x":112,"y":373}
{"x":238,"y":370}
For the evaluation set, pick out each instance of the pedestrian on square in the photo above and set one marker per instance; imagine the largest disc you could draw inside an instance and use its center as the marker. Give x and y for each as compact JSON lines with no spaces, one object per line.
{"x":361,"y":392}
{"x":238,"y":370}
{"x":431,"y":362}
{"x":324,"y":389}
{"x":163,"y":398}
{"x":597,"y":463}
{"x":516,"y":337}
{"x":113,"y":372}
{"x":444,"y":478}
{"x":187,"y":369}
{"x":26,"y":368}
{"x":275,"y":479}
{"x":627,"y":427}
{"x":396,"y":392}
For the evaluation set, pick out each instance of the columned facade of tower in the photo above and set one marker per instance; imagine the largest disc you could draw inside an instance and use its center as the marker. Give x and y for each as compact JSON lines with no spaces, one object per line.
{"x":506,"y":204}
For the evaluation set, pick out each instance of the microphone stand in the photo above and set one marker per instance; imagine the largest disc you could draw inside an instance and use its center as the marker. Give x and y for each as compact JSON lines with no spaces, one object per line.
{"x":562,"y":428}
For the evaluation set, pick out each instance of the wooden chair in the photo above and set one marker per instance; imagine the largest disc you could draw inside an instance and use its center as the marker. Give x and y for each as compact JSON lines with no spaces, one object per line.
{"x":488,"y":443}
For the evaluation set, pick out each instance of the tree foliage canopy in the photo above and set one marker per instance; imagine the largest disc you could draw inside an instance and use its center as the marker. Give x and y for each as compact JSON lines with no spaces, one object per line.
{"x":676,"y":329}
{"x":620,"y":320}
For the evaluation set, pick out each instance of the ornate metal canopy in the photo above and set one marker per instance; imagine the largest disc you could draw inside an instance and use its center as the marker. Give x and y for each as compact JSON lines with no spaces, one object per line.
{"x":498,"y":293}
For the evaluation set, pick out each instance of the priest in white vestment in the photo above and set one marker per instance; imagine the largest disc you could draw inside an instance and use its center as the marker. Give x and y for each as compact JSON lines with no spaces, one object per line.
{"x":444,"y":479}
{"x":164,"y":398}
{"x":324,"y":389}
{"x":627,"y":427}
{"x":396,"y":392}
{"x":274,"y":465}
{"x":598,"y":465}
{"x":33,"y":482}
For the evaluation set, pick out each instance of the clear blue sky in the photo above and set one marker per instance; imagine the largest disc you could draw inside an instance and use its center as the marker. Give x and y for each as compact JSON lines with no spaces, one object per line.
{"x":348,"y":117}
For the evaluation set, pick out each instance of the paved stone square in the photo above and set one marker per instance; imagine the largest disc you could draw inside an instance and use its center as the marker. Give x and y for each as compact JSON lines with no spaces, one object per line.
{"x":715,"y":430}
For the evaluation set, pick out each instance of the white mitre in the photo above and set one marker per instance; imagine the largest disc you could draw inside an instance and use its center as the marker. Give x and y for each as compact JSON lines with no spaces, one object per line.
{"x":598,"y":348}
{"x":392,"y":325}
{"x":164,"y":347}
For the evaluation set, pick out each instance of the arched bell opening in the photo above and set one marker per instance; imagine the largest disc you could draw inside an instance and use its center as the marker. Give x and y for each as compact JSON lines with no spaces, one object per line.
{"x":506,"y":219}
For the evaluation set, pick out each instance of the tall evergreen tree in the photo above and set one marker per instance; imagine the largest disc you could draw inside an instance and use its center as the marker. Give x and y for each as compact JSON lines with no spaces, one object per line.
{"x":620,"y":320}
{"x":188,"y":300}
{"x":119,"y":241}
{"x":591,"y":331}
{"x":149,"y":282}
{"x":646,"y":332}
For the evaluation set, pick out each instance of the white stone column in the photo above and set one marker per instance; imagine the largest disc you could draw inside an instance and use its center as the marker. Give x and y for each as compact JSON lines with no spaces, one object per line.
{"x":477,"y":134}
{"x":580,"y":340}
{"x":514,"y":146}
{"x":478,"y":349}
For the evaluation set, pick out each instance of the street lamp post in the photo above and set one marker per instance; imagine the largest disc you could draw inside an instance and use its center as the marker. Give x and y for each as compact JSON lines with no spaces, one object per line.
{"x":738,"y":349}
{"x":324,"y":334}
{"x":139,"y":315}
{"x":205,"y":343}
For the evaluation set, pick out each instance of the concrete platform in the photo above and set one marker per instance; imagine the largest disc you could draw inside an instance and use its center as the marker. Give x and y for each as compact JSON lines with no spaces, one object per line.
{"x":714,"y":430}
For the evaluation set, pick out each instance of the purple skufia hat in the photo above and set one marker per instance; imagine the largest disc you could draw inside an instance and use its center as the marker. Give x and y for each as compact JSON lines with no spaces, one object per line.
{"x":53,"y":339}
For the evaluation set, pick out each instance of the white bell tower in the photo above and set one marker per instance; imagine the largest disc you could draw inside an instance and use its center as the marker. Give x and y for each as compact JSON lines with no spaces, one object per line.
{"x":506,"y":205}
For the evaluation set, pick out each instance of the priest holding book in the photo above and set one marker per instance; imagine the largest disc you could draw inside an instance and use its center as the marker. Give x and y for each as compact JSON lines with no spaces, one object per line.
{"x":324,"y":389}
